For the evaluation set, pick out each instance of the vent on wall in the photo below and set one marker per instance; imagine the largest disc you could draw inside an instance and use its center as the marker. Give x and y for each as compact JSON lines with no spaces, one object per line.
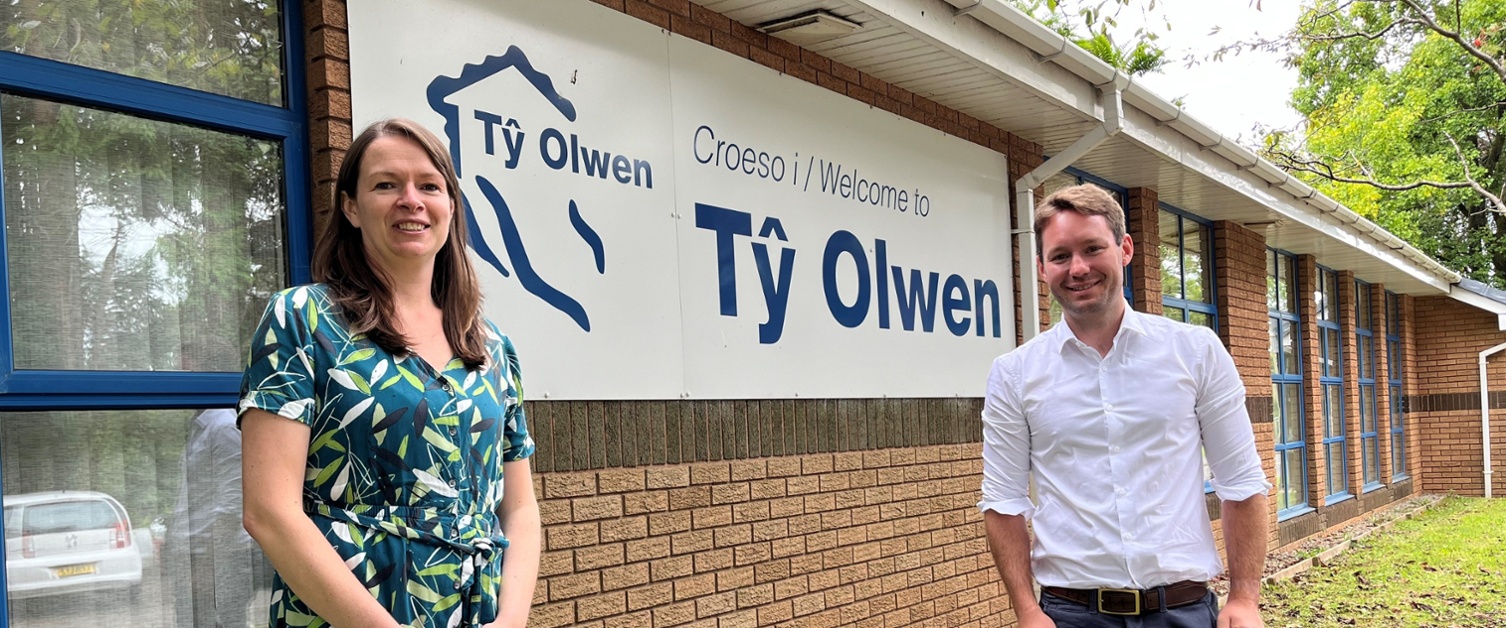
{"x":809,"y":28}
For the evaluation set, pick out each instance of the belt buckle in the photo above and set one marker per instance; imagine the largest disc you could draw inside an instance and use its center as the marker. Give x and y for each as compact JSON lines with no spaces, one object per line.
{"x":1131,"y":593}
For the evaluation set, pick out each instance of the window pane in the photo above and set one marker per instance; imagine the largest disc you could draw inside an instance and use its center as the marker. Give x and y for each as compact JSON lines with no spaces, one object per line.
{"x":1291,"y":395}
{"x":233,"y":48}
{"x":1272,"y":275}
{"x":1171,"y":256}
{"x":1333,"y":411}
{"x":1367,"y":365}
{"x":149,"y":525}
{"x":1293,"y":496}
{"x":1201,"y":319}
{"x":1057,"y":182}
{"x":1288,"y":284}
{"x":1331,"y":365}
{"x":1331,"y":288}
{"x":1289,"y":348}
{"x":1336,"y":469}
{"x":1275,"y":345}
{"x":1174,"y":313}
{"x":134,"y":244}
{"x":1361,"y":305}
{"x":1367,"y":422}
{"x":1197,"y":243}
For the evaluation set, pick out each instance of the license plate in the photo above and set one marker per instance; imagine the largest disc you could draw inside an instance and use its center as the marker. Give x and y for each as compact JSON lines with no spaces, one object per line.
{"x":76,"y":570}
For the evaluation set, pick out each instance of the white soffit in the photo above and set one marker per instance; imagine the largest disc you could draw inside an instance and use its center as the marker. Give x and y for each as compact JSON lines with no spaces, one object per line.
{"x":1014,"y":77}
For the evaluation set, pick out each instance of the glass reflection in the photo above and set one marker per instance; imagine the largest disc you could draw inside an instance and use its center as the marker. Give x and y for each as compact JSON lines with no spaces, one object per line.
{"x":128,"y":519}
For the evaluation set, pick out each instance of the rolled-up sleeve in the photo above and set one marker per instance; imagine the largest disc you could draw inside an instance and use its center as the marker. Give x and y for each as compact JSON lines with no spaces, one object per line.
{"x":1228,"y":437}
{"x":1006,"y":444}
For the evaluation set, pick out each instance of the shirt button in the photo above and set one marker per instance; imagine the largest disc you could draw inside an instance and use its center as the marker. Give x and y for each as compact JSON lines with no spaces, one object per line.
{"x":1114,"y":449}
{"x":1129,"y":537}
{"x":1117,"y":491}
{"x":1109,"y":407}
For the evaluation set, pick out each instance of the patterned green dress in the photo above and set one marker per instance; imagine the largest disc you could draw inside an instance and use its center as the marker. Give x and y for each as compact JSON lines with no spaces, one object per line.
{"x":404,"y":471}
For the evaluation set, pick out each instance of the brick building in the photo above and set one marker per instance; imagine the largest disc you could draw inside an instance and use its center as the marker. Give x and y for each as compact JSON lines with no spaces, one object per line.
{"x":805,"y":488}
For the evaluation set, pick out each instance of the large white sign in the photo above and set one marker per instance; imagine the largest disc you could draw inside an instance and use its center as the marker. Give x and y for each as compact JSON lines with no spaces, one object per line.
{"x":653,"y":218}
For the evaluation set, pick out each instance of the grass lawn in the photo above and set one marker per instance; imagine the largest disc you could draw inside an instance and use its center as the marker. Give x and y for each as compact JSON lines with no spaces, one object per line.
{"x":1444,"y":568}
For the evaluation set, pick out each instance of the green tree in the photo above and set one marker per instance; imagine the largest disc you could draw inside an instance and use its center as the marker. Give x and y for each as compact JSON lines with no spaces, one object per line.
{"x":1405,"y":106}
{"x":1090,"y":24}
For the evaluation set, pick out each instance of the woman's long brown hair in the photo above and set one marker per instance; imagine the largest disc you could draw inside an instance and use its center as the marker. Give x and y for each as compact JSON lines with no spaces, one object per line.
{"x":361,"y":289}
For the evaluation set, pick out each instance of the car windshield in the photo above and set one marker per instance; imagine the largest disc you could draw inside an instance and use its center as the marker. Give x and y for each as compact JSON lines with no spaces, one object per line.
{"x":60,"y":517}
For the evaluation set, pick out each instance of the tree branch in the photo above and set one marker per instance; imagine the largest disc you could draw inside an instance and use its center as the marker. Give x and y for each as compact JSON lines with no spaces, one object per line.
{"x":1493,"y":200}
{"x":1370,"y":36}
{"x":1324,"y":170}
{"x":1473,"y":51}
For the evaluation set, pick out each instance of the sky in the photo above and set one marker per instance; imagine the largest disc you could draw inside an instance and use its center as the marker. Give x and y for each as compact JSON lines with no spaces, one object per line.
{"x":1234,"y":94}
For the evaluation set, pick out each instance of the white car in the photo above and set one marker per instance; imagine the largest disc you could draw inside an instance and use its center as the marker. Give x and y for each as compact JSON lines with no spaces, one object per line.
{"x":67,"y":542}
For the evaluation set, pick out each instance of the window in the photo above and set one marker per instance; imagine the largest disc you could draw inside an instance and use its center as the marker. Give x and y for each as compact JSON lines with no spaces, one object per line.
{"x":1393,"y":378}
{"x":153,"y":193}
{"x":1364,"y":347}
{"x":1281,"y":290}
{"x":153,"y":164}
{"x":1187,"y":290}
{"x":1331,"y":381}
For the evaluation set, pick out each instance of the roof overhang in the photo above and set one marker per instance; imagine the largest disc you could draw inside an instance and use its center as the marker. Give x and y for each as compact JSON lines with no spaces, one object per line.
{"x":986,"y":59}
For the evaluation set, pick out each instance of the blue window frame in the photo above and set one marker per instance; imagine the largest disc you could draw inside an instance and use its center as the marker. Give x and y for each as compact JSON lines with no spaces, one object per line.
{"x":37,"y":82}
{"x":141,"y":116}
{"x":1394,"y":360}
{"x":1188,"y":291}
{"x":1364,"y":347}
{"x":1281,"y":294}
{"x":1331,"y":382}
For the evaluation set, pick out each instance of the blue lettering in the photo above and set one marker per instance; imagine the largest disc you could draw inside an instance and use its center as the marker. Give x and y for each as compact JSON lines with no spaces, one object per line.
{"x":880,"y":262}
{"x":985,"y":289}
{"x":558,"y":139}
{"x":489,"y":120}
{"x":776,"y":296}
{"x":695,"y":145}
{"x":921,"y":297}
{"x":726,"y":223}
{"x":621,"y":169}
{"x":954,"y":298}
{"x":643,"y":174}
{"x":839,"y":243}
{"x":596,"y":161}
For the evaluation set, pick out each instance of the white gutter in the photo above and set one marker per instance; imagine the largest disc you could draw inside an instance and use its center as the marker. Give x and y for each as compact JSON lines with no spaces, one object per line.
{"x":1485,"y":412}
{"x":1024,"y":200}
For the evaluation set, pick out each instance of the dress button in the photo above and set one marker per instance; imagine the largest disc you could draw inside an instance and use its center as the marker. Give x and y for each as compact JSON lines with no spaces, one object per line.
{"x":452,"y":485}
{"x":457,"y":585}
{"x":446,"y":387}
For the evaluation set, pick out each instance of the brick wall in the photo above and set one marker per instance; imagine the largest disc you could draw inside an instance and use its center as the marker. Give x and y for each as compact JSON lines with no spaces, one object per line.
{"x":878,"y":538}
{"x":1144,"y":215}
{"x":1445,"y":400}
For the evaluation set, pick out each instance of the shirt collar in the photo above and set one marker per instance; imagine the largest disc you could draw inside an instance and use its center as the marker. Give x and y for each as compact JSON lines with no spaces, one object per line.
{"x":1132,"y":323}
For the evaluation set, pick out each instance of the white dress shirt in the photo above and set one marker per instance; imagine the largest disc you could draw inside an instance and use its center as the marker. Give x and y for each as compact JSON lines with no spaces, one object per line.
{"x":1114,"y":446}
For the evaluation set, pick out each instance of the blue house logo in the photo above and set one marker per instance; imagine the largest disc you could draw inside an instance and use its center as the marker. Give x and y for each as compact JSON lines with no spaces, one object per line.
{"x":557,"y":150}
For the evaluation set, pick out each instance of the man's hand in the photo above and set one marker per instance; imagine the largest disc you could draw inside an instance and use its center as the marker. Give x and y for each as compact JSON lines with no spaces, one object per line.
{"x":1239,"y":614}
{"x":1035,"y":618}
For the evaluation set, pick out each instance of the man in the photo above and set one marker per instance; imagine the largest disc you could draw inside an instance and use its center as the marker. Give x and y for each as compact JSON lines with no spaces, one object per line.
{"x":1111,"y":411}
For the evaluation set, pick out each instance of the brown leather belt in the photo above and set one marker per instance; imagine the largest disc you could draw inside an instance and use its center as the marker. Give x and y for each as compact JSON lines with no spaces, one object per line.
{"x":1134,"y":601}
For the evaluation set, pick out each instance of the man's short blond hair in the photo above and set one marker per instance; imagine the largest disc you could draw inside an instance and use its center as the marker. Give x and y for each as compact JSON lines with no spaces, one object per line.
{"x":1086,"y":199}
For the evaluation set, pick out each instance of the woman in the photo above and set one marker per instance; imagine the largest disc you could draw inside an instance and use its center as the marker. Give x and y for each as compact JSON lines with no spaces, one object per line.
{"x":385,"y":444}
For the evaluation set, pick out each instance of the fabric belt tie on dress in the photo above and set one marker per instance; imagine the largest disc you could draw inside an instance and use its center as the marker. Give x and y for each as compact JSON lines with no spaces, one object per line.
{"x":1134,"y":601}
{"x":478,"y":552}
